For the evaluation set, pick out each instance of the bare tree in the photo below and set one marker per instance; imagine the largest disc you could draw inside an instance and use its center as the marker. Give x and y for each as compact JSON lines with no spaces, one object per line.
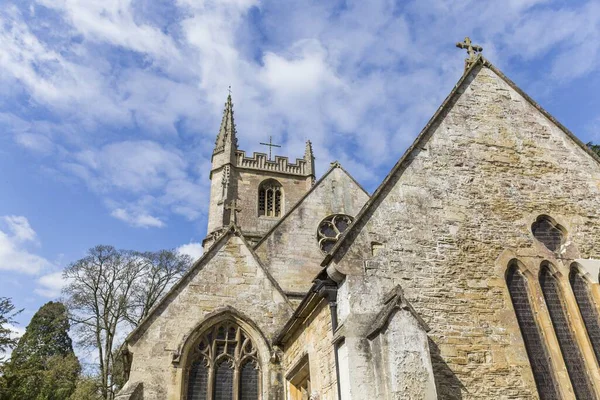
{"x":161,"y":270}
{"x":110,"y":287}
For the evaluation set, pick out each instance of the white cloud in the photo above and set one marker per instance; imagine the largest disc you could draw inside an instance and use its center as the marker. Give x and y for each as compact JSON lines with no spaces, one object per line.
{"x":14,"y":240}
{"x":50,"y":285}
{"x":138,"y":101}
{"x":192,"y":249}
{"x":139,"y":220}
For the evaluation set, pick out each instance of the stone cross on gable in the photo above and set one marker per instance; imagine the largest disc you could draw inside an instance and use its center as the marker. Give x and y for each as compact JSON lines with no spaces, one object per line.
{"x":233,"y":210}
{"x":472,"y":51}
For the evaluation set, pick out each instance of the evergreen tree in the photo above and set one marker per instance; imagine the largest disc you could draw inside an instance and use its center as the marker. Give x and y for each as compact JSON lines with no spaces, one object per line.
{"x":7,"y":314}
{"x":594,"y":147}
{"x":43,"y":366}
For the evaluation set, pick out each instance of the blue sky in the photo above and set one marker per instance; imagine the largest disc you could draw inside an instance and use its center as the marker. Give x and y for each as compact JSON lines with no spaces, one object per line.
{"x":109,"y":108}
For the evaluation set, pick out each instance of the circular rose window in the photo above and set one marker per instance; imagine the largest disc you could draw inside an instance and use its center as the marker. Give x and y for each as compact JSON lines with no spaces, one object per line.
{"x":330,"y":230}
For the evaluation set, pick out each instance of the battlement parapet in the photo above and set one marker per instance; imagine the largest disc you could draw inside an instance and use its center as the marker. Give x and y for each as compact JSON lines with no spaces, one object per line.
{"x":261,"y":161}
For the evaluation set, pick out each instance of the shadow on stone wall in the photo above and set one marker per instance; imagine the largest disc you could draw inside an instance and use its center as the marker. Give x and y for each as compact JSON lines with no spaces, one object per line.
{"x":447,"y":385}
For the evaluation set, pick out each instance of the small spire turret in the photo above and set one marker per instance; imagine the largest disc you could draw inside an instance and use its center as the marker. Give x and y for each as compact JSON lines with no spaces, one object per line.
{"x":309,"y":157}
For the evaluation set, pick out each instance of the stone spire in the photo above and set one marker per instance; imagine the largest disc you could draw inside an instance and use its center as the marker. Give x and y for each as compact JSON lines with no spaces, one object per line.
{"x":227,"y":133}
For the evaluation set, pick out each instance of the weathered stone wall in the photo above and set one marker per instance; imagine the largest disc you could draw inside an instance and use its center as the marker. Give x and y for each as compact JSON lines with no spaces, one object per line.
{"x":314,"y":340}
{"x":467,"y":195}
{"x":291,"y":252}
{"x":246,"y":185}
{"x":230,"y":277}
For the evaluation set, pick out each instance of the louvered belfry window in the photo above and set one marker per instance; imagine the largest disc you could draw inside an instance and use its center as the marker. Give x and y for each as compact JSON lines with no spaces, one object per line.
{"x":532,"y":336}
{"x":587,"y":308}
{"x":566,"y":338}
{"x":224,"y":366}
{"x":270,"y":198}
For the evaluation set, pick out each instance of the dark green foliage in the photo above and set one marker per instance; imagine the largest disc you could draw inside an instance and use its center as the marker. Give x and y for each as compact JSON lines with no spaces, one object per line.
{"x":43,"y":365}
{"x":594,"y":147}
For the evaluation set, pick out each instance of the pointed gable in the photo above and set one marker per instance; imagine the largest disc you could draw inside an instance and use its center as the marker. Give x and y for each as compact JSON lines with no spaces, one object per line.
{"x":290,"y":250}
{"x":485,"y":132}
{"x":228,"y":274}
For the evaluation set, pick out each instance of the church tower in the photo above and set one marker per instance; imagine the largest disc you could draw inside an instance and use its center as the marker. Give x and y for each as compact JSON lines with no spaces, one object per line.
{"x":259,"y":190}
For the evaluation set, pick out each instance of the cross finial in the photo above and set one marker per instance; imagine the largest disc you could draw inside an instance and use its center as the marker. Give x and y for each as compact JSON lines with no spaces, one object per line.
{"x":472,"y":51}
{"x":271,"y":145}
{"x":229,"y":90}
{"x":233,"y":210}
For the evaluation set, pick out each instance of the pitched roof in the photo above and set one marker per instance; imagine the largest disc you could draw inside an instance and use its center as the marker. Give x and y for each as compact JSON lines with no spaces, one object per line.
{"x":200,"y":263}
{"x":446,"y":104}
{"x":334,"y":165}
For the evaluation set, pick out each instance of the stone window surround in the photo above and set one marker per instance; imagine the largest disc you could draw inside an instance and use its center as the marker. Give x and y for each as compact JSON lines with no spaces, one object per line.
{"x":530,"y":267}
{"x":276,"y":188}
{"x":297,"y":377}
{"x":593,"y":291}
{"x":181,"y":359}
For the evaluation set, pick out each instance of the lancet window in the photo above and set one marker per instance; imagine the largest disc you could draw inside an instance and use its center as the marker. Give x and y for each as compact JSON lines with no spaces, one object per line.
{"x":587,"y":308}
{"x":566,"y":339}
{"x":224,"y":366}
{"x":532,"y":336}
{"x":270,"y":198}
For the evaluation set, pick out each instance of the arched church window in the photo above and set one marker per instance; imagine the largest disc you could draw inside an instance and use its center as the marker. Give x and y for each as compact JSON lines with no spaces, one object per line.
{"x":587,"y":308}
{"x":547,"y":231}
{"x":331,"y":229}
{"x":270,"y":198}
{"x":224,"y":366}
{"x":566,"y":339}
{"x":532,"y":336}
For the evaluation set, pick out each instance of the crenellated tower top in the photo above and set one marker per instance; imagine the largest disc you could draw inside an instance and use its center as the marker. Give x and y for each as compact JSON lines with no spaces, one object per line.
{"x":263,"y":187}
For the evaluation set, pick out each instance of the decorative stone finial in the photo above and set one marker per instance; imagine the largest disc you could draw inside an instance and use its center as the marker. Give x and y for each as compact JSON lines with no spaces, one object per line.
{"x":335,"y":164}
{"x":472,"y":51}
{"x":233,"y":210}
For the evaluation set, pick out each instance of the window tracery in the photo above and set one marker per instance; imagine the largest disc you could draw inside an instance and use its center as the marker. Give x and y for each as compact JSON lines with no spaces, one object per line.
{"x":331,"y":229}
{"x":270,"y":198}
{"x":224,"y":366}
{"x":566,"y":340}
{"x":532,"y":336}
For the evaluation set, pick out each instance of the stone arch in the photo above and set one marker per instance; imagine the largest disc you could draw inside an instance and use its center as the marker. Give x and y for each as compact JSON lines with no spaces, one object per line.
{"x":581,"y":285}
{"x":270,"y":198}
{"x":517,"y":278}
{"x":564,"y":330}
{"x":226,"y":316}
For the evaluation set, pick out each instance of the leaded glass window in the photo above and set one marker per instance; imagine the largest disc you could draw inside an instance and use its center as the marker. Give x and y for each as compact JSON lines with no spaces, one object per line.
{"x":532,"y":336}
{"x":224,"y":366}
{"x":588,"y":309}
{"x":331,"y":229}
{"x":270,"y":199}
{"x":565,"y":335}
{"x":548,"y":232}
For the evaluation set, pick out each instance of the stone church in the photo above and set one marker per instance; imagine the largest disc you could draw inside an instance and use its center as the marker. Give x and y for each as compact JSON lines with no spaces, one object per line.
{"x":470,"y":273}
